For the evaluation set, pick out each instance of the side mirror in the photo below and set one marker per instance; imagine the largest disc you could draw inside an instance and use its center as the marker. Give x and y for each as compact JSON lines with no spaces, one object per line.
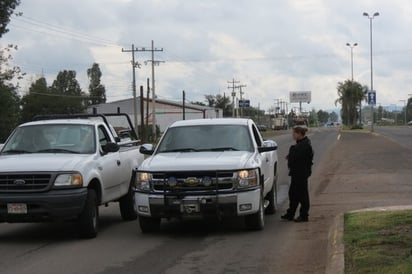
{"x":268,"y":145}
{"x":267,"y":149}
{"x":146,"y":149}
{"x":110,"y":147}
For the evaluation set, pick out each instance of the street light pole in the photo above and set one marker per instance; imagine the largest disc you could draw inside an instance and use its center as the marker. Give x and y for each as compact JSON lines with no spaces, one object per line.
{"x":405,"y":105}
{"x":371,"y":52}
{"x":351,"y":55}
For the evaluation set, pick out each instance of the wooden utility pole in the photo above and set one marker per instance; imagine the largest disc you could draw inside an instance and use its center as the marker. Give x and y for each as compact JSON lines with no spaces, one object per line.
{"x":153,"y":62}
{"x":134,"y":65}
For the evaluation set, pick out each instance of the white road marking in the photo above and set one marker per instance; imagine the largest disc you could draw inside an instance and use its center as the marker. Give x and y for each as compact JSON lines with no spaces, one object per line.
{"x":338,"y":137}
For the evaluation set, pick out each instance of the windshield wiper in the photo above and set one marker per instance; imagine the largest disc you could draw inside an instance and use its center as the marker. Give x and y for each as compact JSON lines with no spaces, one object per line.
{"x":189,"y":149}
{"x":221,"y":149}
{"x":15,"y":151}
{"x":57,"y":150}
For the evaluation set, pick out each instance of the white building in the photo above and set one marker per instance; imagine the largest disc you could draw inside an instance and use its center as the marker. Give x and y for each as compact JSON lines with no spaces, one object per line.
{"x":167,"y":111}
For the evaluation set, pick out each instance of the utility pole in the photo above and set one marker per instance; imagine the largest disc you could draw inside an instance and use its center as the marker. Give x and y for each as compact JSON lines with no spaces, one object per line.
{"x":147,"y":109}
{"x":154,"y":62}
{"x":241,"y":97}
{"x":233,"y":83}
{"x":134,"y":65}
{"x":184,"y":105}
{"x":142,"y":127}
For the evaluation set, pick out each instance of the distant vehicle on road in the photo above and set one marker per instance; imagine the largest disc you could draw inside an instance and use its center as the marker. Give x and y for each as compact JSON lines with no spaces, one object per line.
{"x":410,"y":123}
{"x":208,"y":168}
{"x":63,"y":168}
{"x":262,"y":128}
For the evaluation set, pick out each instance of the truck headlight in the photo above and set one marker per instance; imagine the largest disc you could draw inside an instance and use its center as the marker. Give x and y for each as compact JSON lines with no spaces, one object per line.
{"x":72,"y":179}
{"x":143,"y":180}
{"x":247,"y":178}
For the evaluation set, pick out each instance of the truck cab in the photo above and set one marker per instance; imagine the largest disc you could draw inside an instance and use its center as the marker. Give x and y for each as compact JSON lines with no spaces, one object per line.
{"x":207,"y":168}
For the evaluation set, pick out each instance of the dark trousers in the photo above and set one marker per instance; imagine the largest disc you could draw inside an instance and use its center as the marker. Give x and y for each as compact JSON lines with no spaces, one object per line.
{"x":299,"y":194}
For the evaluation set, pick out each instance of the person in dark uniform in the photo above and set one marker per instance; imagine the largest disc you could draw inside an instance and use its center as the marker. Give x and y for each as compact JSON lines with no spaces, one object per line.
{"x":300,"y":161}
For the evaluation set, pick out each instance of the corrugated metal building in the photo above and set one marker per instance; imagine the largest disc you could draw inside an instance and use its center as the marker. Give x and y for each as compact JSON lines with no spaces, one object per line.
{"x":167,"y":111}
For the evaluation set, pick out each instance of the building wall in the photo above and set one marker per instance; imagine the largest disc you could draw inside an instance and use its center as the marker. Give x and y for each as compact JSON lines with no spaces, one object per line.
{"x":166,"y":114}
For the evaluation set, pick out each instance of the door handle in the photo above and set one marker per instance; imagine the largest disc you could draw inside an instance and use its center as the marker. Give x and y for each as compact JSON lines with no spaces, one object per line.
{"x":118,"y":162}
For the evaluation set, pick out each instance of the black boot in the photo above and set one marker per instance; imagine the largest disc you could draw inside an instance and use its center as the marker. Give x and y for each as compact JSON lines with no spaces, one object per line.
{"x":301,"y":219}
{"x":287,"y":217}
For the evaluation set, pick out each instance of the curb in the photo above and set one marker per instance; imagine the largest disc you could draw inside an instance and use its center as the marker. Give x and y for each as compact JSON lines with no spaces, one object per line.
{"x":336,"y":247}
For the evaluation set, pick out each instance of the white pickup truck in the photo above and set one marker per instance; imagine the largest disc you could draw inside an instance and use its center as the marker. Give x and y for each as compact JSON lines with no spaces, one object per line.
{"x":64,"y":167}
{"x":207,"y":168}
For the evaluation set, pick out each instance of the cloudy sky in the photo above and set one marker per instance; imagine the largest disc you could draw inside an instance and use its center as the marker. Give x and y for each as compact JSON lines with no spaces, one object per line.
{"x":272,"y":46}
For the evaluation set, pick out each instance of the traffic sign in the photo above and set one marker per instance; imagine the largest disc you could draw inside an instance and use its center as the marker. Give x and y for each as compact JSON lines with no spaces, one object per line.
{"x":244,"y":103}
{"x":372,"y":97}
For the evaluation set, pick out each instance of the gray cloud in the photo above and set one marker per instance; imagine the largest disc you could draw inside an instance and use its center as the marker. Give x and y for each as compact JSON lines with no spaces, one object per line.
{"x":272,"y":46}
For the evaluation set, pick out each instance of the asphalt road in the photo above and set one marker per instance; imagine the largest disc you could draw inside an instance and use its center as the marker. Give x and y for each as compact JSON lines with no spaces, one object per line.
{"x":401,"y":135}
{"x":180,"y":247}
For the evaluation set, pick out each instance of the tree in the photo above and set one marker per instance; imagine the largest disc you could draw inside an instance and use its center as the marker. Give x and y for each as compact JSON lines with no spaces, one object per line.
{"x":37,"y":100}
{"x":350,"y":95}
{"x":211,"y":100}
{"x":219,"y":101}
{"x":323,"y":116}
{"x":67,"y":93}
{"x":333,"y":116}
{"x":97,"y":91}
{"x":7,"y":8}
{"x":313,"y":118}
{"x":198,"y":103}
{"x":9,"y":103}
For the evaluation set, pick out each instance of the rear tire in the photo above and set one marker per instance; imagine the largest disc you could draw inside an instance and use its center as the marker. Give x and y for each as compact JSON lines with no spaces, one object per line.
{"x":149,"y":224}
{"x":89,"y":218}
{"x":127,"y":206}
{"x":272,"y":196}
{"x":256,"y":221}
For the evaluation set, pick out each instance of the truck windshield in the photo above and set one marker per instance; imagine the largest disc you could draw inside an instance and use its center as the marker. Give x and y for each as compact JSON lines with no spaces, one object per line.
{"x":206,"y":138}
{"x":51,"y":138}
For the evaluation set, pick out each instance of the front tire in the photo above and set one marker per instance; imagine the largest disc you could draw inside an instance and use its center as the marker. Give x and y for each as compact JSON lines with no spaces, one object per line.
{"x":256,"y":221}
{"x":149,"y":224}
{"x":89,"y":218}
{"x":127,"y":206}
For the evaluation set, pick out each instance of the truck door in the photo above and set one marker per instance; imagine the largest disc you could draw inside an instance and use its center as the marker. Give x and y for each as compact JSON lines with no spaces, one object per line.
{"x":265,"y":157}
{"x":109,"y":166}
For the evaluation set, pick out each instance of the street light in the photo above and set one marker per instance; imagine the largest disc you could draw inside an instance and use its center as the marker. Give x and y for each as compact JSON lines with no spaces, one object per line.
{"x":370,"y":23}
{"x":351,"y":55}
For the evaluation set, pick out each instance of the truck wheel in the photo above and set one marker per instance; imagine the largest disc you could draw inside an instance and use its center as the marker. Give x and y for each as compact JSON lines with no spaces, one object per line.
{"x":127,"y":206}
{"x":89,"y":218}
{"x":149,"y":224}
{"x":256,"y":221}
{"x":272,"y":197}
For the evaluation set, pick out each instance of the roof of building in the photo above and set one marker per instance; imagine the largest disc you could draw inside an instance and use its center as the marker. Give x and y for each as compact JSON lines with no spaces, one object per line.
{"x":167,"y":102}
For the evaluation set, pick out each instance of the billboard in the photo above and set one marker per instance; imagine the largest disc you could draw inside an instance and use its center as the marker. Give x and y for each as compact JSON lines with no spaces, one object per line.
{"x":300,"y":96}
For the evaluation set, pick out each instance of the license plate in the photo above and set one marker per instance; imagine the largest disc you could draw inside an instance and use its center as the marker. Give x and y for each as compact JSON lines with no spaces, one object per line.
{"x":16,"y":208}
{"x":190,"y":208}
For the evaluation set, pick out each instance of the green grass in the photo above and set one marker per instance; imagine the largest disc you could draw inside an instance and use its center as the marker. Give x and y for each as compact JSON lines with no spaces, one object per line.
{"x":378,"y":242}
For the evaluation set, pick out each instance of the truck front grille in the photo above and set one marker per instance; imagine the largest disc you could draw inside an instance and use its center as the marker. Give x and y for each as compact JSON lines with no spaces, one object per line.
{"x":24,"y":182}
{"x":193,"y":181}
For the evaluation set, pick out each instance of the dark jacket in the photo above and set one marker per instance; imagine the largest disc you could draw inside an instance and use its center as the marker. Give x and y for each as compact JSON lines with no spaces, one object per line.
{"x":300,"y":158}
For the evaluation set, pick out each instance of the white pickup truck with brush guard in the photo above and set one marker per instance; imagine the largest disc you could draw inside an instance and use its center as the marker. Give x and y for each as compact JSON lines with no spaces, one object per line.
{"x":207,"y":168}
{"x":63,"y":167}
